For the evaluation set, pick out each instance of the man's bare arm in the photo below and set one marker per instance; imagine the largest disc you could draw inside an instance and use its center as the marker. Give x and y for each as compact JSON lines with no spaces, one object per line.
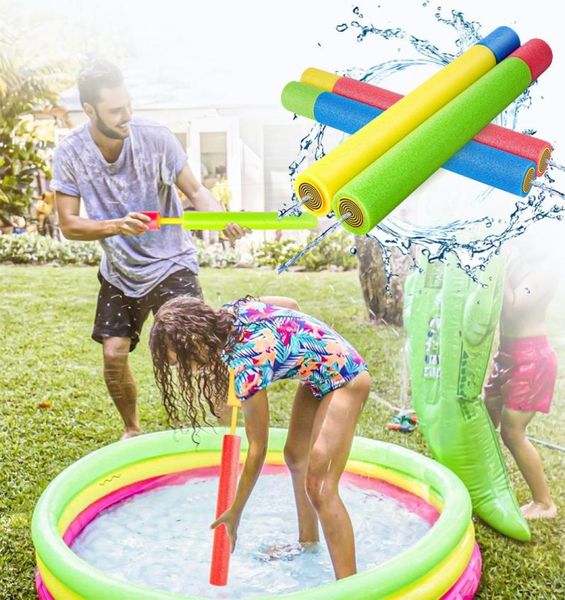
{"x":203,"y":200}
{"x":201,"y":197}
{"x":75,"y":227}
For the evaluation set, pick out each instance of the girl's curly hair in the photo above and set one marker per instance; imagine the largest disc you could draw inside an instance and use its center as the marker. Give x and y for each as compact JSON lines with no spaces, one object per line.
{"x":197,"y":334}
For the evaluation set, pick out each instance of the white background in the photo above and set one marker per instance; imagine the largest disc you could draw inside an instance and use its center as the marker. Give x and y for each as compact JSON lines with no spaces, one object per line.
{"x":244,"y":52}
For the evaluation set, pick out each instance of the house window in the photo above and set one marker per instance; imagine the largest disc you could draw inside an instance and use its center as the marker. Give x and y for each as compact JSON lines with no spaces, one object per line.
{"x":182,"y":137}
{"x":281,"y":146}
{"x":213,"y":157}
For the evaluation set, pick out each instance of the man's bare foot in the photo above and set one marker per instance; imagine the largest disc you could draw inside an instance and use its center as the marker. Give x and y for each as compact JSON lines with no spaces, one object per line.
{"x":537,"y":510}
{"x":129,"y":433}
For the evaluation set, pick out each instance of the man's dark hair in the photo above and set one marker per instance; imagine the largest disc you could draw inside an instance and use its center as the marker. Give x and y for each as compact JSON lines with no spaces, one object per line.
{"x":94,"y":76}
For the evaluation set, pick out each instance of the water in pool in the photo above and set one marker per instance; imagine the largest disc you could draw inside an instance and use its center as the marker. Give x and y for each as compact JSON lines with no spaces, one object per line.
{"x":161,"y":538}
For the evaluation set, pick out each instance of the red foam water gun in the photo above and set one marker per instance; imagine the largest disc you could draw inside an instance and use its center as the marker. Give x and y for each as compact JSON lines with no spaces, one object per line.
{"x":231,"y":445}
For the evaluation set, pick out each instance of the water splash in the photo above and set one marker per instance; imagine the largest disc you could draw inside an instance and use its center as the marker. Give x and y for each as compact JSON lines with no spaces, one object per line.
{"x":474,"y":241}
{"x":554,"y":165}
{"x":294,"y":209}
{"x":312,"y":244}
{"x":311,"y":148}
{"x":549,"y":190}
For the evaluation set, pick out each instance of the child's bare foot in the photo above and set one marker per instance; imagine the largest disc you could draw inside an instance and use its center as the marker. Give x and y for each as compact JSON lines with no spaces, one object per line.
{"x":129,"y":433}
{"x":537,"y":510}
{"x":280,"y":551}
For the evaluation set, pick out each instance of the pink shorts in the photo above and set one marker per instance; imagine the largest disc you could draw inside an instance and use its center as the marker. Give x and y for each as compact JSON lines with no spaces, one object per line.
{"x":524,"y":374}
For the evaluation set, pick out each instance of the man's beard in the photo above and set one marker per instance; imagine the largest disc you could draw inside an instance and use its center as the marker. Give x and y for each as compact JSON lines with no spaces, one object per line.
{"x":105,"y":130}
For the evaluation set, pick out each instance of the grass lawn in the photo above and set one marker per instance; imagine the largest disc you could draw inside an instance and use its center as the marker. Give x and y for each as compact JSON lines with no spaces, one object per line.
{"x":47,"y":354}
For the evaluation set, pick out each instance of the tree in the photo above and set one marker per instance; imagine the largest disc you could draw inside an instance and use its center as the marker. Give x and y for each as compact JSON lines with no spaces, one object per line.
{"x":384,"y":303}
{"x":28,"y":105}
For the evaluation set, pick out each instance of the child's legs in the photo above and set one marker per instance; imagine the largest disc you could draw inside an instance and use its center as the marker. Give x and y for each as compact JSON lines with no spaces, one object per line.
{"x":513,"y":431}
{"x":494,"y":406}
{"x":332,"y":435}
{"x":296,"y":451}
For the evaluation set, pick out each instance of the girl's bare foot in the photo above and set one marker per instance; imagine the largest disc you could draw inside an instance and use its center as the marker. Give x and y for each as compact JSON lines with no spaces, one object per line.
{"x":280,"y":551}
{"x":537,"y":510}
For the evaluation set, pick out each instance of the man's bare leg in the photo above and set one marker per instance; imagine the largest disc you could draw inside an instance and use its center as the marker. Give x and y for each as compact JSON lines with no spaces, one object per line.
{"x":120,"y":382}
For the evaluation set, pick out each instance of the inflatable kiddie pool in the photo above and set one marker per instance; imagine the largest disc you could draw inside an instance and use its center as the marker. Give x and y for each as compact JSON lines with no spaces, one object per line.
{"x":444,"y":563}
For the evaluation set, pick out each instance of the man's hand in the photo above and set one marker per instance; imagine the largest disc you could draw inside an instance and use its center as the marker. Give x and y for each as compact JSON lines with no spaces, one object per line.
{"x":235,"y":232}
{"x":133,"y":223}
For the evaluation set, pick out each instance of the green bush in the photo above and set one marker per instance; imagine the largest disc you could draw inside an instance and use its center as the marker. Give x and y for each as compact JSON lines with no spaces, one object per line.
{"x":333,"y":250}
{"x":213,"y":255}
{"x":272,"y":254}
{"x":35,"y":249}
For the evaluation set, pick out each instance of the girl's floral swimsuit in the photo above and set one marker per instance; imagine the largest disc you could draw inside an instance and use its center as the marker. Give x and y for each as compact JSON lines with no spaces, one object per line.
{"x":279,"y":343}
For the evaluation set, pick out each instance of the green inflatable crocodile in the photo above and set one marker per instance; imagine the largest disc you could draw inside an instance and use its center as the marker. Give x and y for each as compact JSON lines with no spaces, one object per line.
{"x":450,"y":324}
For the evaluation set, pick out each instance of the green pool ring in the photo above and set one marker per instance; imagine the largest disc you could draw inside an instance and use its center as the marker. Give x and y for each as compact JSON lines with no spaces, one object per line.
{"x":450,"y":324}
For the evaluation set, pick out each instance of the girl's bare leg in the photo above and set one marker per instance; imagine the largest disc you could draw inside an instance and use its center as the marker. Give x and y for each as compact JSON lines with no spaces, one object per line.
{"x":332,"y":436}
{"x":296,"y":452}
